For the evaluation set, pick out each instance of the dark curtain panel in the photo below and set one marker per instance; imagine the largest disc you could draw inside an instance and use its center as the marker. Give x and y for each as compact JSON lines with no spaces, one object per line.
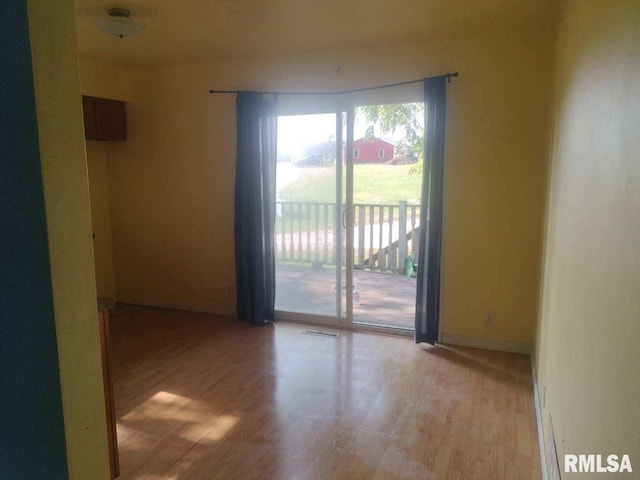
{"x":255,"y":197}
{"x":428,"y":289}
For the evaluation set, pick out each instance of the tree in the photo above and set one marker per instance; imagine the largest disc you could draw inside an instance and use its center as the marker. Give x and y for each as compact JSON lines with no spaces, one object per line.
{"x":408,"y":117}
{"x":369,"y":134}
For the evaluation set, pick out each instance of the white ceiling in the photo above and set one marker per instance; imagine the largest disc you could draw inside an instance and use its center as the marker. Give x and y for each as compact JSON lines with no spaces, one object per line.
{"x":209,"y":30}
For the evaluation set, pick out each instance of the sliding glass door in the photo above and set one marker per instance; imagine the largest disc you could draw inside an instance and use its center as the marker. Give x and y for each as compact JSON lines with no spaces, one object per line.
{"x":347,"y":215}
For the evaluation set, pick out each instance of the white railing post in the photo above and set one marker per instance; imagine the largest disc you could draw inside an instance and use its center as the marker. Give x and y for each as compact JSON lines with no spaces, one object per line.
{"x":371,"y":222}
{"x":325,"y":257}
{"x":361,"y":236}
{"x":415,"y":235}
{"x":381,"y":253}
{"x":308,"y":215}
{"x":391,"y":249}
{"x":402,"y":234}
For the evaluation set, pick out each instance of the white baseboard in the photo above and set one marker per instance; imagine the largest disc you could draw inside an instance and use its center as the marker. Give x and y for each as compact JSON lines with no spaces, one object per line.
{"x":536,"y":401}
{"x":475,"y":342}
{"x":183,"y":308}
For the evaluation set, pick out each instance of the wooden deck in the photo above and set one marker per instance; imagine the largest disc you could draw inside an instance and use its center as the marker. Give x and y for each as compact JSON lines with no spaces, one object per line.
{"x":384,"y":298}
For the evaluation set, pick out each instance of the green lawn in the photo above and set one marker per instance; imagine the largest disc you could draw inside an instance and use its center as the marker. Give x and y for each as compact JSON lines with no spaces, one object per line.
{"x":373,"y":184}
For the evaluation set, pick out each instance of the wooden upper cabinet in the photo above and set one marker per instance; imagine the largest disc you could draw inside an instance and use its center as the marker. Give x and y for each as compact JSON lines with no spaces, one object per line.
{"x":104,"y":119}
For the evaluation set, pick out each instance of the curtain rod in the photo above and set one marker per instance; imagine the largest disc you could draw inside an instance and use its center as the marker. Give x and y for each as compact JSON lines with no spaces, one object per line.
{"x":366,"y":89}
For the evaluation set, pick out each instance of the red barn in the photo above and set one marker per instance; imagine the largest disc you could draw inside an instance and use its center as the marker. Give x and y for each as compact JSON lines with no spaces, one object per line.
{"x":372,"y":150}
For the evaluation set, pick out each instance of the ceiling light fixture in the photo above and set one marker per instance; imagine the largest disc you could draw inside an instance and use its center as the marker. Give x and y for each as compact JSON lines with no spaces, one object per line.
{"x":119,"y":23}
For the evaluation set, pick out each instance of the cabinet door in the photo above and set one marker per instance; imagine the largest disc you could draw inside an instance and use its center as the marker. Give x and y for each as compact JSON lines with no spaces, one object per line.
{"x":104,"y":119}
{"x":89,"y":113}
{"x":111,"y":119}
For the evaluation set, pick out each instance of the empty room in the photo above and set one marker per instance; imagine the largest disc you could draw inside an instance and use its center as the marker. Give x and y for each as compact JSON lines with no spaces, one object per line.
{"x":320,"y":240}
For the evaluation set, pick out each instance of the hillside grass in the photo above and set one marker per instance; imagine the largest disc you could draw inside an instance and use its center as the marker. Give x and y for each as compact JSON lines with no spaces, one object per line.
{"x":373,"y":184}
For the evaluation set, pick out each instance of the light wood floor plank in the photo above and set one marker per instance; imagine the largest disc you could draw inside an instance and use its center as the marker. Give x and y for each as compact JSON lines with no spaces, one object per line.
{"x":203,"y":397}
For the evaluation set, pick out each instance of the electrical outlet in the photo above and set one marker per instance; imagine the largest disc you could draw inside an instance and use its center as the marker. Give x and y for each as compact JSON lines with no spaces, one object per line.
{"x":489,"y":319}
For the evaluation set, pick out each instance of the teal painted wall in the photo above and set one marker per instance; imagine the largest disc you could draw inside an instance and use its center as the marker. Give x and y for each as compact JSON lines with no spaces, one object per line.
{"x":32,"y":440}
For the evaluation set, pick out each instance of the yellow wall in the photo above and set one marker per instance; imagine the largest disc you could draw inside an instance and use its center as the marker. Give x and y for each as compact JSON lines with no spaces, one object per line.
{"x":587,"y":354}
{"x":171,"y":197}
{"x":105,"y":80}
{"x":497,"y":148}
{"x":64,"y":173}
{"x":100,"y":217}
{"x":172,"y":187}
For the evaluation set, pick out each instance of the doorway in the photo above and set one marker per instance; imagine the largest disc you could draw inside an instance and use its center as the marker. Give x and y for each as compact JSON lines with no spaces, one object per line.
{"x":347,"y":215}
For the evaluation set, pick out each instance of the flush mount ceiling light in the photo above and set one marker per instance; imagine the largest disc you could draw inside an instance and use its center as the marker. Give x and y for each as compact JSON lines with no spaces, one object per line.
{"x":119,"y":23}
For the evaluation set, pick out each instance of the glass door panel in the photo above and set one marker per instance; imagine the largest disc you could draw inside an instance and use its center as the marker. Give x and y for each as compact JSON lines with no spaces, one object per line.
{"x":308,"y":230}
{"x":387,"y":181}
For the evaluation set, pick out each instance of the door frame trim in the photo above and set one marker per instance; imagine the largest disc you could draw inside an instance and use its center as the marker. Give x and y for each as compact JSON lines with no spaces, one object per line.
{"x":340,"y":324}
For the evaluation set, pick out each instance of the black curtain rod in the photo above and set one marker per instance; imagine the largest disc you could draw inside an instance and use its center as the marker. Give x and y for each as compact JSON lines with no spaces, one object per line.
{"x":366,"y":89}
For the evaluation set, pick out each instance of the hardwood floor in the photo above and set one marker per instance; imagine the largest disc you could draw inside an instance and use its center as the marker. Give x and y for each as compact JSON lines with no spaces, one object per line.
{"x":201,"y":397}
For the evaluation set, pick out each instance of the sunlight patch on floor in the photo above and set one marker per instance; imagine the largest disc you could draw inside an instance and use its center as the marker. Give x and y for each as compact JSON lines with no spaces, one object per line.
{"x":199,"y":421}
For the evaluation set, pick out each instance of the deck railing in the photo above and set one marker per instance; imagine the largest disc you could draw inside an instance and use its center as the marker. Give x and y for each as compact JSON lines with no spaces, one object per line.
{"x":383,"y":234}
